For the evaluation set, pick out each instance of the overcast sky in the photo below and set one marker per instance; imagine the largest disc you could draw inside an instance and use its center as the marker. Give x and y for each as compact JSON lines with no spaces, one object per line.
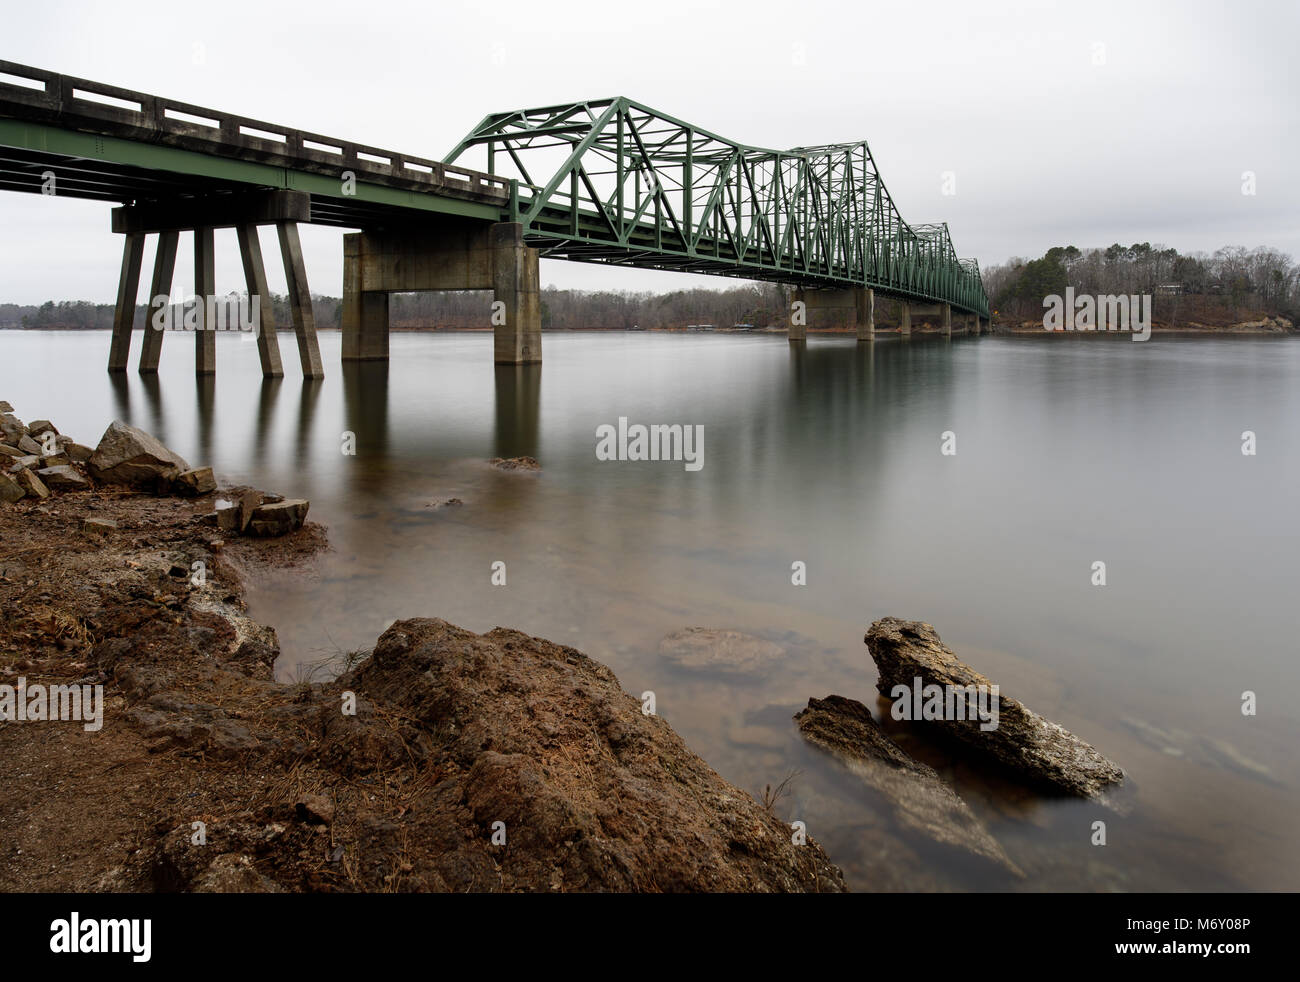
{"x":1073,"y":123}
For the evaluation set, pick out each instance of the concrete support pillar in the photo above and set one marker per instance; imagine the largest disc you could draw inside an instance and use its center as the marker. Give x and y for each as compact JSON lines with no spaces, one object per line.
{"x":268,"y":342}
{"x":798,"y":326}
{"x":517,"y":326}
{"x":905,"y":318}
{"x":866,"y":314}
{"x":946,"y":312}
{"x":205,"y":285}
{"x":164,"y":268}
{"x":364,"y":314}
{"x":128,"y":290}
{"x":304,"y":319}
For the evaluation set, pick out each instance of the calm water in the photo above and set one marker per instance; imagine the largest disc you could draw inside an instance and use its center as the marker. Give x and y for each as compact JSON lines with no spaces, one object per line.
{"x":1070,"y":450}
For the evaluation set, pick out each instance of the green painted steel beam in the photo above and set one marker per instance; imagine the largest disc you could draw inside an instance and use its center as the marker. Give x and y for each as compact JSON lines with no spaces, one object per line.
{"x":39,"y":138}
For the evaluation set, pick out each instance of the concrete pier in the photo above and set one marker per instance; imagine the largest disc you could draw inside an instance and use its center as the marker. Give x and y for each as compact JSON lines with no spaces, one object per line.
{"x":164,"y":269}
{"x":304,"y":318}
{"x":797,"y":328}
{"x":827,"y":309}
{"x":205,"y":285}
{"x":452,"y":256}
{"x":128,"y":292}
{"x":268,"y":342}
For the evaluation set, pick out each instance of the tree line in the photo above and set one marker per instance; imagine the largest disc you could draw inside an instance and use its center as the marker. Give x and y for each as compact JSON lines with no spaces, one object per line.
{"x":755,"y":304}
{"x":1262,"y":279}
{"x":1259,"y":278}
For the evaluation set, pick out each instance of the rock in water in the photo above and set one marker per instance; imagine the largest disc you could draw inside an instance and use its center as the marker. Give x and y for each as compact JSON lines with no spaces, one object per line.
{"x":128,"y":455}
{"x":592,"y":794}
{"x":279,"y":518}
{"x":516,"y":463}
{"x":921,"y":801}
{"x":710,"y":650}
{"x":1037,"y":749}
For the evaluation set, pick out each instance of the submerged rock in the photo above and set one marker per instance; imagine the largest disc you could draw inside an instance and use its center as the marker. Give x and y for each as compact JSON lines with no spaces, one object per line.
{"x":515,"y":463}
{"x":920,"y":800}
{"x":129,"y":455}
{"x":1037,"y":749}
{"x":1205,"y":751}
{"x":730,"y":652}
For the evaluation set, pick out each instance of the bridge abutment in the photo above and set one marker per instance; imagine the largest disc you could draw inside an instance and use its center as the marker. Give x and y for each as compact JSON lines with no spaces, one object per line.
{"x":453,"y":256}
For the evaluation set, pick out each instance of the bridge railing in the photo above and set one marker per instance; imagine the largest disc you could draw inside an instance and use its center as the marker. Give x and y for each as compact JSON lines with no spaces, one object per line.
{"x":41,"y":96}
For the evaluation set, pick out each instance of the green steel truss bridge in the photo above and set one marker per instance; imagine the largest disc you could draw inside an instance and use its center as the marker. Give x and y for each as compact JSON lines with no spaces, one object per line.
{"x":617,"y":182}
{"x":601,"y":182}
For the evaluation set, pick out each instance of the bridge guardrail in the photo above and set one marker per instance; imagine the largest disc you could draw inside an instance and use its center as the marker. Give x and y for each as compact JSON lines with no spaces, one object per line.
{"x":67,"y":100}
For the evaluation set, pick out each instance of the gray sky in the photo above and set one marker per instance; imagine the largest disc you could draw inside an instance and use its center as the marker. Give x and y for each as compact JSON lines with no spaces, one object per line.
{"x":1073,"y":123}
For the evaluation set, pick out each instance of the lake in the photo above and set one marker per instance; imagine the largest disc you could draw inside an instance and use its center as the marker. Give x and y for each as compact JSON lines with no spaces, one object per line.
{"x":1069,"y":450}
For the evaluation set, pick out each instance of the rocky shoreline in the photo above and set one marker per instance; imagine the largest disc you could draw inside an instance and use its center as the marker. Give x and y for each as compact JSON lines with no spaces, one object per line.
{"x":441,"y":760}
{"x":444,"y":761}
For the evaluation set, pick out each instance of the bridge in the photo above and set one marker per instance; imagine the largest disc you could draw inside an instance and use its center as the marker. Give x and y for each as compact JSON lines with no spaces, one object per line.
{"x":610,"y":181}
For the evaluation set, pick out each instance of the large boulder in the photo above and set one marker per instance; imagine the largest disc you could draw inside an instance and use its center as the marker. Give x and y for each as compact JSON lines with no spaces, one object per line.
{"x":920,"y":801}
{"x":592,"y":794}
{"x":1038,"y":750}
{"x":129,"y":455}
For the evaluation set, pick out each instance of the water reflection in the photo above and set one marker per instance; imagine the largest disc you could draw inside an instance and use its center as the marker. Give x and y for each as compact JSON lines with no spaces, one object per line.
{"x":518,"y":392}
